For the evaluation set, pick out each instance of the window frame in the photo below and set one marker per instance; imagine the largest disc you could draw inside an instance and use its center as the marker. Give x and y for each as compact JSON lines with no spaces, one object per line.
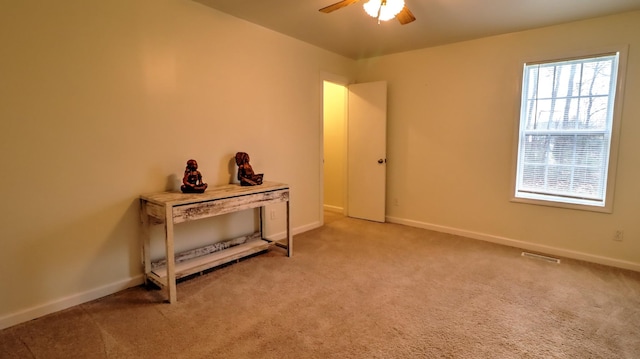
{"x":556,"y":201}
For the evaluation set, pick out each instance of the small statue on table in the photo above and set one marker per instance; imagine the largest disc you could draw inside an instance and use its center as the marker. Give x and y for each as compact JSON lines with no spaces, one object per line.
{"x":192,"y":180}
{"x":246,"y":176}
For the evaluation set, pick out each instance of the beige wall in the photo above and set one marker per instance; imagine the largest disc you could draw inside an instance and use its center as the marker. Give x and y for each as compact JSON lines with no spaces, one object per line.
{"x":453,"y":112}
{"x":101,"y":101}
{"x":334,"y":113}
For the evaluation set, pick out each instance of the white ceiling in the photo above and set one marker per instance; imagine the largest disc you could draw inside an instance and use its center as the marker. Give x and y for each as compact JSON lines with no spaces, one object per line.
{"x":352,"y":33}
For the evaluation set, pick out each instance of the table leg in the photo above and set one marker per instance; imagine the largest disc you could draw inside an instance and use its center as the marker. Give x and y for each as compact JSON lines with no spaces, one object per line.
{"x":289,"y":235}
{"x":171,"y":265}
{"x":146,"y":241}
{"x":261,"y":222}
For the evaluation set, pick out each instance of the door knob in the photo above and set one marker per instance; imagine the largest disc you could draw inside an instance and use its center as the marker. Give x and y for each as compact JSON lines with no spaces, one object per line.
{"x":381,"y":161}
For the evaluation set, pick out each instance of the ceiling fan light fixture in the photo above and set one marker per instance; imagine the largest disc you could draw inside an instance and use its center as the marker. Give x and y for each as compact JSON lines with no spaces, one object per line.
{"x":383,"y":10}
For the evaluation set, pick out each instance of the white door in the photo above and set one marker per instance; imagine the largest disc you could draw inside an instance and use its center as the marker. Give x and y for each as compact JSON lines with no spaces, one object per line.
{"x":366,"y":150}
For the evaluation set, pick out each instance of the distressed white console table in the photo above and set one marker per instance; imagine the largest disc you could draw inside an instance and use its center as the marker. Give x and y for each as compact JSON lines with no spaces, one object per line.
{"x":171,"y":208}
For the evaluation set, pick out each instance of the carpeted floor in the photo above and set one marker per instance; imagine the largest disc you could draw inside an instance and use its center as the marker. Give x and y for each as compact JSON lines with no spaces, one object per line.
{"x":357,"y":289}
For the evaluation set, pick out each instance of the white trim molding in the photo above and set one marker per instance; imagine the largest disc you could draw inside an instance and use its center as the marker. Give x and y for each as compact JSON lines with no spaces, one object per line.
{"x":612,"y":262}
{"x":282,"y":235}
{"x":57,"y":305}
{"x":334,"y":209}
{"x":68,"y":302}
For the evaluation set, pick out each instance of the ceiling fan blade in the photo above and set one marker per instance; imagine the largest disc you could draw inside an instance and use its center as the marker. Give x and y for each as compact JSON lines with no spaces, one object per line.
{"x":405,"y":16}
{"x":336,"y":6}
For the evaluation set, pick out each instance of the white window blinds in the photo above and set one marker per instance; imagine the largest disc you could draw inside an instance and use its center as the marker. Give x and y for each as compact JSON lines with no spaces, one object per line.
{"x":565,"y":129}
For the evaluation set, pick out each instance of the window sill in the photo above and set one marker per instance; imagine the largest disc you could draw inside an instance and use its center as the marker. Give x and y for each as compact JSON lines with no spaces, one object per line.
{"x":575,"y":206}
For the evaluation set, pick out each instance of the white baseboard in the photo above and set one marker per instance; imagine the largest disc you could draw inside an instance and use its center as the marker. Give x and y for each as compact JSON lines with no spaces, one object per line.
{"x":612,"y":262}
{"x":282,"y":235}
{"x":87,"y":296}
{"x":96,"y":293}
{"x":331,"y":208}
{"x":67,"y":302}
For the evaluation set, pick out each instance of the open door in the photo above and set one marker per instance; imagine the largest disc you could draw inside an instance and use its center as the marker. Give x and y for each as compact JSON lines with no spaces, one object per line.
{"x":367,"y":151}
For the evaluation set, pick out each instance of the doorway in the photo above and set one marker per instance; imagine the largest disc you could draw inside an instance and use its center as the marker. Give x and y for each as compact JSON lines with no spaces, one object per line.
{"x":354,"y":149}
{"x":334,"y":180}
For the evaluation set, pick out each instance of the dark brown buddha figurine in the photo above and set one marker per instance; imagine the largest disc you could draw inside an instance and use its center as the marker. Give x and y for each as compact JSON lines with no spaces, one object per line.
{"x":192,"y":180}
{"x":246,"y":176}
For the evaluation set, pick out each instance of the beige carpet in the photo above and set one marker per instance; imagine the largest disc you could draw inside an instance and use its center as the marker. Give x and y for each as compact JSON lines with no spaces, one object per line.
{"x":356,"y":289}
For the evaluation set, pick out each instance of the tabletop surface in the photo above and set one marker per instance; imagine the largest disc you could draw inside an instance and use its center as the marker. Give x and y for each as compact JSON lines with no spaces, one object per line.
{"x":226,"y":191}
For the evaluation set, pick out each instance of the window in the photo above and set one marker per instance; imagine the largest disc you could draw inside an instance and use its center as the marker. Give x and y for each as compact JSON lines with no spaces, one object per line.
{"x":565,"y":135}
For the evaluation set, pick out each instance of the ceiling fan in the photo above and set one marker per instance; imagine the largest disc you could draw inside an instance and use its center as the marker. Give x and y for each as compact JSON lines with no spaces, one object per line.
{"x":382,"y":10}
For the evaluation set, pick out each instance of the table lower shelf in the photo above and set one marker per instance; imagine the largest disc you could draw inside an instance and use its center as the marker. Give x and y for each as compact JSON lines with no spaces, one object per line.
{"x":194,"y":265}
